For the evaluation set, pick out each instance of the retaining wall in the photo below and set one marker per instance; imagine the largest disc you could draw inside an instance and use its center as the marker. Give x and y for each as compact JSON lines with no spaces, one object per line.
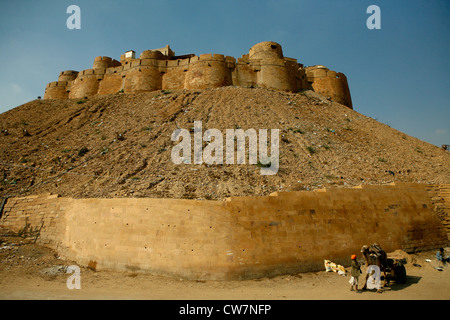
{"x":241,"y":238}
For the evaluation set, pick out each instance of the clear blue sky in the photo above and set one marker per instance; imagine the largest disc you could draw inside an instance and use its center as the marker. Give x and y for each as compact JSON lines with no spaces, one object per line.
{"x":398,"y":75}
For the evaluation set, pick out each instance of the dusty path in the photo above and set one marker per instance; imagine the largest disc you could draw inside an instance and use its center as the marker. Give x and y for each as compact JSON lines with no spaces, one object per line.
{"x":23,"y":277}
{"x":323,"y":286}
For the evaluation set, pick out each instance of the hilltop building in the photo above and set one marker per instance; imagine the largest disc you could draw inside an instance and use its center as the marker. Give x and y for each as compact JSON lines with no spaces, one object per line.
{"x":160,"y":69}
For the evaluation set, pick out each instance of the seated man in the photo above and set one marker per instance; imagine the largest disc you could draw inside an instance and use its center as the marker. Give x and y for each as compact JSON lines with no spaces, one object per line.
{"x":441,"y":257}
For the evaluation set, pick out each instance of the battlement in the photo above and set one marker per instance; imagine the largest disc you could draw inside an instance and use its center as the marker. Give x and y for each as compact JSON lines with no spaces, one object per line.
{"x":105,"y":62}
{"x":153,"y":54}
{"x":57,"y":84}
{"x":330,"y":83}
{"x":68,"y":75}
{"x":160,"y":69}
{"x":266,"y":50}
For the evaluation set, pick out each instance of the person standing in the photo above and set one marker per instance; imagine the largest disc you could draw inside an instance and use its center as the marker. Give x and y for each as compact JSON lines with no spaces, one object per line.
{"x":355,"y":273}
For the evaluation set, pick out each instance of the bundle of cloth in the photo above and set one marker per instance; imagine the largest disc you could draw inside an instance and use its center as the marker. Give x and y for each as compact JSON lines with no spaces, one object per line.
{"x":331,"y":266}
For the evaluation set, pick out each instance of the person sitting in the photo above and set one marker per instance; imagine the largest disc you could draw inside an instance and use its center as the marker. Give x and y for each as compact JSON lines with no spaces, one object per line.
{"x":441,"y":257}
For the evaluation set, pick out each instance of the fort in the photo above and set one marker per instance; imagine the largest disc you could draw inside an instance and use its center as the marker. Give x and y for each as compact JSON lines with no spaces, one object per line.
{"x":160,"y":69}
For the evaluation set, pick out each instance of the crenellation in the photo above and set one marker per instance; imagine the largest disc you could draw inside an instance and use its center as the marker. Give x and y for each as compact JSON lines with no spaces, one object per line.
{"x":56,"y":84}
{"x":330,"y":83}
{"x":264,"y":66}
{"x":153,"y":54}
{"x":68,"y":75}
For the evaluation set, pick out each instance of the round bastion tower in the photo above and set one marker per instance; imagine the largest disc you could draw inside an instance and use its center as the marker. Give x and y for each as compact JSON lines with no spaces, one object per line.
{"x":209,"y":71}
{"x":143,"y":75}
{"x":60,"y":89}
{"x":330,"y":83}
{"x":274,"y":72}
{"x":87,"y":82}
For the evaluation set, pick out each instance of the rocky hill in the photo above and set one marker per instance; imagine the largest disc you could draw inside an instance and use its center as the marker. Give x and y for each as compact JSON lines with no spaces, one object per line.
{"x":120,"y":145}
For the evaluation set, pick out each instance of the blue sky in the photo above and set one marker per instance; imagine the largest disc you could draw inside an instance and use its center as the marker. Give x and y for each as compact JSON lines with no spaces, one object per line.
{"x":399,"y":75}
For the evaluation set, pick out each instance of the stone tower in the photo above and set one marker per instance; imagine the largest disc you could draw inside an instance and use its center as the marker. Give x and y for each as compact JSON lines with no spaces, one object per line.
{"x":160,"y":69}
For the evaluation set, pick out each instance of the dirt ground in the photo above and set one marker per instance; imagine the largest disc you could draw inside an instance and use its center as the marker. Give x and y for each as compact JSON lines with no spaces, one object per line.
{"x":29,"y":271}
{"x":120,"y":146}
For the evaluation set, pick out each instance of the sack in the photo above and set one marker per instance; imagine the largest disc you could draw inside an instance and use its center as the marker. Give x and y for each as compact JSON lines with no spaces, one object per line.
{"x":327,"y":264}
{"x":331,"y":266}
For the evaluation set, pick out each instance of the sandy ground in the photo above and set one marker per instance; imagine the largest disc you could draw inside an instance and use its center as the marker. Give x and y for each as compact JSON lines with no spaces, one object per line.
{"x":316,"y":286}
{"x":29,"y":271}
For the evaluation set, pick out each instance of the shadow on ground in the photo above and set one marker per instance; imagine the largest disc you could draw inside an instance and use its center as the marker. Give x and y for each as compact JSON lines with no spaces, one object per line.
{"x":410,"y":280}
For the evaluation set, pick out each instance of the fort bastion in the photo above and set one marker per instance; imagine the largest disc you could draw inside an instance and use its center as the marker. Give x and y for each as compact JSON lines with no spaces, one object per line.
{"x":160,"y":69}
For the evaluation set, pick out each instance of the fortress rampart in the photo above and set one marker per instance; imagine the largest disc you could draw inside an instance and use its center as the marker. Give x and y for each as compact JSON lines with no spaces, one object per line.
{"x":242,"y":238}
{"x":160,"y":69}
{"x":330,"y":83}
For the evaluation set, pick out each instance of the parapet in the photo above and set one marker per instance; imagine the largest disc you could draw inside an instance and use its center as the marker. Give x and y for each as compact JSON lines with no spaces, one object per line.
{"x":56,"y":90}
{"x":263,"y":66}
{"x":153,"y":54}
{"x":67,"y":75}
{"x":266,"y":50}
{"x":105,"y":62}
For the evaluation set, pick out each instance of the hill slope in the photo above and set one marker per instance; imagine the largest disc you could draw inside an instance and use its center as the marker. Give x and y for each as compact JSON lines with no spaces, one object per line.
{"x":120,"y":146}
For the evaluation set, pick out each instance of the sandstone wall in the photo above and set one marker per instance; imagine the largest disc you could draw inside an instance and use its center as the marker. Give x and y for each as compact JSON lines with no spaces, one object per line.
{"x":245,"y":237}
{"x":86,"y":84}
{"x":142,"y":79}
{"x":56,"y":90}
{"x":68,"y":75}
{"x":105,"y":62}
{"x":440,"y":197}
{"x":331,"y":84}
{"x":245,"y":73}
{"x":264,"y":66}
{"x":208,"y":71}
{"x":41,"y":217}
{"x":174,"y":77}
{"x":113,"y":81}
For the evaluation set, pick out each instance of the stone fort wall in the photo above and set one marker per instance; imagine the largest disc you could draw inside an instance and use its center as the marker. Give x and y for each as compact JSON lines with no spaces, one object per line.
{"x":241,"y":238}
{"x":264,"y":66}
